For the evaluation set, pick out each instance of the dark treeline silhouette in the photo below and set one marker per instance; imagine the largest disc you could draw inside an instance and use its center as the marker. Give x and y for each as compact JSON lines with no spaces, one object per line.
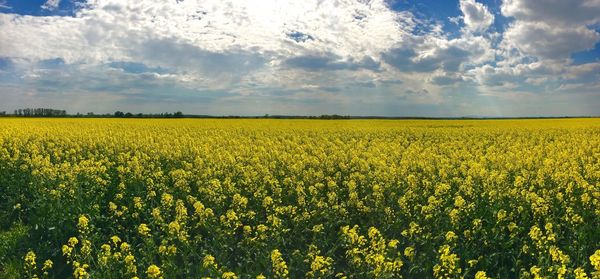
{"x":48,"y":112}
{"x":120,"y":114}
{"x":330,"y":117}
{"x":39,"y":112}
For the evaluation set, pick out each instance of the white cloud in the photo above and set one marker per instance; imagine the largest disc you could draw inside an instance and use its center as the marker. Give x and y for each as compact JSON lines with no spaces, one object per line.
{"x":571,"y":12}
{"x":477,"y":17}
{"x":549,"y":41}
{"x":349,"y":29}
{"x":51,"y":5}
{"x":431,"y":53}
{"x":588,"y":71}
{"x":235,"y":37}
{"x":551,"y":29}
{"x":444,"y":79}
{"x":221,"y":43}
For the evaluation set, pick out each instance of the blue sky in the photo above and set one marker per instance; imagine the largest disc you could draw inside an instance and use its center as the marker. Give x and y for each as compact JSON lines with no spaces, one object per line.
{"x":356,"y":57}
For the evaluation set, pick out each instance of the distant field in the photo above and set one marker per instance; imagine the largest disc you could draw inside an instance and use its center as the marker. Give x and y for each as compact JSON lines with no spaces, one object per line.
{"x":193,"y":198}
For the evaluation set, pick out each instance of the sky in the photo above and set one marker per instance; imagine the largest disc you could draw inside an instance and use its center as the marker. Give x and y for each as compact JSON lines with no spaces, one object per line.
{"x":429,"y":58}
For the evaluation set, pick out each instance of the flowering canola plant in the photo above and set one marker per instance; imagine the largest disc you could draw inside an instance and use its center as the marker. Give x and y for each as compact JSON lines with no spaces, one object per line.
{"x":124,"y":198}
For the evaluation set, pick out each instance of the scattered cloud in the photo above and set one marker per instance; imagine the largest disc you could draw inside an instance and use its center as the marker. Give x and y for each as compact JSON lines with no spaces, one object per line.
{"x":51,"y":5}
{"x":477,"y":17}
{"x":4,"y":5}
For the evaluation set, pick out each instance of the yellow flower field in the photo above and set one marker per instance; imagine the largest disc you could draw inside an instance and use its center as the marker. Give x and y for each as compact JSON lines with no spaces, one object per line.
{"x":193,"y":198}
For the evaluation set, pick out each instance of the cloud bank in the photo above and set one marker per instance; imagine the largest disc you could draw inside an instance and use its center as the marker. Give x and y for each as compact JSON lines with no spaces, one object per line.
{"x":303,"y":57}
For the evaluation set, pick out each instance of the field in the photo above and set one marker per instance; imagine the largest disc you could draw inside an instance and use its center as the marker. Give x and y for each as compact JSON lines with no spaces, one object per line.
{"x":115,"y":198}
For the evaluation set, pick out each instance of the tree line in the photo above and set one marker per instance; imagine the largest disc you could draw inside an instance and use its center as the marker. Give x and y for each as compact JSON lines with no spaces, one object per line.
{"x":120,"y":114}
{"x":49,"y":112}
{"x":39,"y":112}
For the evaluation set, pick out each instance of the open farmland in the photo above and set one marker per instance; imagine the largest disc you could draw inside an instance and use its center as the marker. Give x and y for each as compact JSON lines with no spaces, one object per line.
{"x":116,"y":198}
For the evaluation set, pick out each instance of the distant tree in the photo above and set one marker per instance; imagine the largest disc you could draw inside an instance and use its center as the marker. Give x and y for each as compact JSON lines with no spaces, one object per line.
{"x":119,"y":114}
{"x":128,"y":114}
{"x":178,"y":114}
{"x":333,"y":116}
{"x":40,"y":112}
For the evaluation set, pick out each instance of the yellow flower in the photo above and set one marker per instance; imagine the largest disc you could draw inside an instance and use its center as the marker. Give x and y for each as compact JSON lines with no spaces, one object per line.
{"x":167,"y":199}
{"x":480,"y":275}
{"x":229,"y":275}
{"x":82,"y":223}
{"x":125,"y":247}
{"x":501,"y":215}
{"x":472,"y":263}
{"x":580,"y":273}
{"x":30,"y":260}
{"x":112,"y":206}
{"x":129,"y":259}
{"x":595,"y":260}
{"x":459,"y":201}
{"x":280,"y":269}
{"x":535,"y":270}
{"x":174,"y":228}
{"x":137,"y":203}
{"x":512,"y":226}
{"x":451,"y":236}
{"x":448,"y":265}
{"x":167,"y":251}
{"x":154,"y":272}
{"x":47,"y":265}
{"x":115,"y":240}
{"x":535,"y":233}
{"x":320,"y":266}
{"x":86,"y":247}
{"x":172,"y":249}
{"x":209,"y":262}
{"x":409,"y":252}
{"x":267,"y":202}
{"x":80,"y":271}
{"x":317,"y":228}
{"x":143,"y":230}
{"x":130,"y":264}
{"x":66,"y":250}
{"x":105,"y":248}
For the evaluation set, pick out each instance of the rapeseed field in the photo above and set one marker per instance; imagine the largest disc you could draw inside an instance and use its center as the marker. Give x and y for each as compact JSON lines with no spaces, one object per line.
{"x":192,"y":198}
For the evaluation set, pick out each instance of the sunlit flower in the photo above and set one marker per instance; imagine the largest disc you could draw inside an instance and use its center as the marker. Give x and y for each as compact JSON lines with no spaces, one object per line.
{"x":143,"y":230}
{"x":154,"y":271}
